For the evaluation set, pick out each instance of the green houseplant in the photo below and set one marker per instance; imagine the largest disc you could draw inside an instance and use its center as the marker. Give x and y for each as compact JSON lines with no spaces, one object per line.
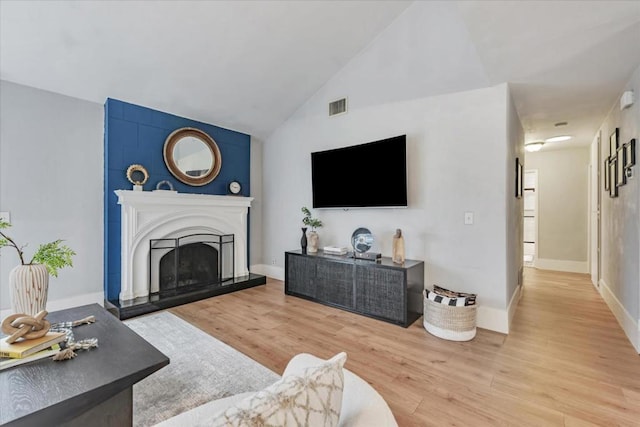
{"x":29,"y":281}
{"x":314,"y":223}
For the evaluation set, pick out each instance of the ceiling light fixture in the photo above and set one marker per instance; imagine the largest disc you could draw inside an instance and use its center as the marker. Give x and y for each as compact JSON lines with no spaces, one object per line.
{"x":558,"y":138}
{"x":533,"y":146}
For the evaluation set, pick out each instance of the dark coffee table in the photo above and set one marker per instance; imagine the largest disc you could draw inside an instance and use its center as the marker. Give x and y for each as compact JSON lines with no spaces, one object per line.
{"x":94,"y":389}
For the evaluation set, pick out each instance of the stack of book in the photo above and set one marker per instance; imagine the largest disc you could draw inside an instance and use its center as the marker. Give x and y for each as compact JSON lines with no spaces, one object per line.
{"x":335,"y":250}
{"x":24,"y":351}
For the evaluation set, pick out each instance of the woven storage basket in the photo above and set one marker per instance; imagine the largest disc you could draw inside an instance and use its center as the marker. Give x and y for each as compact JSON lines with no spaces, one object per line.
{"x":449,"y":322}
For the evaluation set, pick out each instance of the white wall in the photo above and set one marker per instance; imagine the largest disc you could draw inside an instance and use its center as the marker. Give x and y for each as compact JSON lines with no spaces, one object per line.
{"x":255,"y":212}
{"x":563,"y":209}
{"x":461,"y":150}
{"x":620,"y":223}
{"x":457,"y":161}
{"x":409,"y":60}
{"x":515,"y":208}
{"x":51,"y":169}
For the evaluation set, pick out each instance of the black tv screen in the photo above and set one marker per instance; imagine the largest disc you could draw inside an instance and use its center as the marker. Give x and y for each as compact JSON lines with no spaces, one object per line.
{"x":365,"y":175}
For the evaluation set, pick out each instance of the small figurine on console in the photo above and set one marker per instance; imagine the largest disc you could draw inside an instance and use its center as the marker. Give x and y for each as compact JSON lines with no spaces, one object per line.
{"x":398,"y":248}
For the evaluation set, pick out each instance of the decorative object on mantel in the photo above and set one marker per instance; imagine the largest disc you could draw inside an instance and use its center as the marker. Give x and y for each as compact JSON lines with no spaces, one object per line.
{"x":29,"y":281}
{"x":303,"y":240}
{"x":397,"y":250}
{"x":314,"y":223}
{"x":138,"y":176}
{"x":24,"y":326}
{"x":234,"y":188}
{"x":165,"y":183}
{"x":192,"y":156}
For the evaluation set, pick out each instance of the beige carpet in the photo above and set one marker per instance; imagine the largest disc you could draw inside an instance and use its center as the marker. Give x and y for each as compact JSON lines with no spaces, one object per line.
{"x":202,"y":368}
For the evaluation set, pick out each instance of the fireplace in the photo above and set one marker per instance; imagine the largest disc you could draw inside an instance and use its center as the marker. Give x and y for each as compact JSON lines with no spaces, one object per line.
{"x":190,"y":261}
{"x":202,"y":239}
{"x":194,"y":264}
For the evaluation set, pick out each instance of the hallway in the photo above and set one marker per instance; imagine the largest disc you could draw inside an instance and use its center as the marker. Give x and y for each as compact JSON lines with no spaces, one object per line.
{"x":571,"y":353}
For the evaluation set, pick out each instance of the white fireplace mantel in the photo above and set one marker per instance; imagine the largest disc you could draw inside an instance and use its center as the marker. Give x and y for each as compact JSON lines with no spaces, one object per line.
{"x":150,"y":215}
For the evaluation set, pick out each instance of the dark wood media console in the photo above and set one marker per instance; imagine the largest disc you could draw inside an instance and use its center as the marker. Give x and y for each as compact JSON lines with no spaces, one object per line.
{"x":382,"y":290}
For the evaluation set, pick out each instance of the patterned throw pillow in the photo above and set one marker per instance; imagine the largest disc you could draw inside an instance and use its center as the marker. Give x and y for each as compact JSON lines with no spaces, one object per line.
{"x":308,"y":400}
{"x":448,"y":297}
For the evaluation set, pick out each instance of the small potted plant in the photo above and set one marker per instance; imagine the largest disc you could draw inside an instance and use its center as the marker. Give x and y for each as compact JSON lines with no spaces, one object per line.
{"x":29,"y":281}
{"x":314,"y":223}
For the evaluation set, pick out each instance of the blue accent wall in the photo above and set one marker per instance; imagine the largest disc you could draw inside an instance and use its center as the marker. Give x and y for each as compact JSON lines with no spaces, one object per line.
{"x":135,"y":134}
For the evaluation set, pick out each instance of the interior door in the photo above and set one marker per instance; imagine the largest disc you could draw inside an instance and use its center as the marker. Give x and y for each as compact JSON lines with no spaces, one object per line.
{"x":530,"y":218}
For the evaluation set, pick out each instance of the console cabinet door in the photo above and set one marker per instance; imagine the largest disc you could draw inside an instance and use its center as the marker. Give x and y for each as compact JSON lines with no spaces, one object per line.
{"x":301,"y":272}
{"x":381,"y":292}
{"x":334,"y":283}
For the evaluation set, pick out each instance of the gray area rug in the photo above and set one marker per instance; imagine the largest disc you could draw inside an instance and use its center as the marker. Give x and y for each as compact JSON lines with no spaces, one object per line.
{"x":201,"y":369}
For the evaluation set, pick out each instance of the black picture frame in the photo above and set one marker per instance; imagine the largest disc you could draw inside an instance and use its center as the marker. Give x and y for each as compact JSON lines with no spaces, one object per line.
{"x":519,"y":178}
{"x":621,"y":178}
{"x":613,"y":143}
{"x":613,"y":173}
{"x":607,"y":180}
{"x":630,"y":154}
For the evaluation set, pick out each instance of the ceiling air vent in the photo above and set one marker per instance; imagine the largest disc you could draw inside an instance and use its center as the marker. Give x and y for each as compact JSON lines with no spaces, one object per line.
{"x":338,"y":107}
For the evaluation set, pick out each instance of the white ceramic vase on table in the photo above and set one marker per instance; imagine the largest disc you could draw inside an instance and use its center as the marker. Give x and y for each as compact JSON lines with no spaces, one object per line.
{"x":312,"y":237}
{"x":29,"y":288}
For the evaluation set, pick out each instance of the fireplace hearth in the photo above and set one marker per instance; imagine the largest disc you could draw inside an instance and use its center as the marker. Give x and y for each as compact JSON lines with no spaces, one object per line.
{"x":181,"y":295}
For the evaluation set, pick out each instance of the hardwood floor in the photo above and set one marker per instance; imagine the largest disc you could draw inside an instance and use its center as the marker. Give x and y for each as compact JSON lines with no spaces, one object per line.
{"x":565,"y":362}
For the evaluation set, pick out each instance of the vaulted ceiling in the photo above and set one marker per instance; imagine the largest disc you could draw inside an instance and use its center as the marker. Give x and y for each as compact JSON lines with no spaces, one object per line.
{"x":248,"y":65}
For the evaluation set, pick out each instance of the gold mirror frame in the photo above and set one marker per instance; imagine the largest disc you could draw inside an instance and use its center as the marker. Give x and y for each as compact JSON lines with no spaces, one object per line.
{"x":170,"y":144}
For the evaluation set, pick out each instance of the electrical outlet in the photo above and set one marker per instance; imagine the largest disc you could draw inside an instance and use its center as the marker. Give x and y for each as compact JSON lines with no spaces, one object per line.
{"x":5,"y":216}
{"x":468,"y":218}
{"x":273,"y":261}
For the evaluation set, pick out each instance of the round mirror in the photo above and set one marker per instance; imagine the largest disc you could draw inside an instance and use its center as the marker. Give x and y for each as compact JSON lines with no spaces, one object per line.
{"x":192,"y":156}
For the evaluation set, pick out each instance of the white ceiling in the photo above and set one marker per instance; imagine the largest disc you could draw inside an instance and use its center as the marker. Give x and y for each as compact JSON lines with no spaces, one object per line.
{"x":249,"y":65}
{"x":245,"y":65}
{"x":566,"y":61}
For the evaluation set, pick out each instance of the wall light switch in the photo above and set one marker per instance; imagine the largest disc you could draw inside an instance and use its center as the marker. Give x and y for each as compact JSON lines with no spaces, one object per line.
{"x":468,"y":218}
{"x":5,"y":216}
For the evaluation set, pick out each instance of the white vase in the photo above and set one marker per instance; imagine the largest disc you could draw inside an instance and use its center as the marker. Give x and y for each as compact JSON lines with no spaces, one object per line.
{"x":29,"y":288}
{"x":312,"y":238}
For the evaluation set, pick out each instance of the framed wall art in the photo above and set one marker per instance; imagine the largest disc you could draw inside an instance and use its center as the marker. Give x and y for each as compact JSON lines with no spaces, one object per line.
{"x":613,"y":173}
{"x":519,"y":178}
{"x":613,"y":143}
{"x":607,"y":179}
{"x":630,"y":154}
{"x":621,"y":178}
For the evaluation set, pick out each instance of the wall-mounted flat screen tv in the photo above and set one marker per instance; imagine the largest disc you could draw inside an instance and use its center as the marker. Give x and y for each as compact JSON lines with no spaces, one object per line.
{"x":365,"y":175}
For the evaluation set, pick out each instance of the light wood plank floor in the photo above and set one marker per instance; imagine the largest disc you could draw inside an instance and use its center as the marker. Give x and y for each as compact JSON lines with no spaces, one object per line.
{"x":566,"y":361}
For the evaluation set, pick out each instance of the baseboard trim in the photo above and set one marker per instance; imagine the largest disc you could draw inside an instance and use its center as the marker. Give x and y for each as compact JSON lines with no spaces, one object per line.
{"x":513,"y":304}
{"x":629,"y":325}
{"x":563,"y":265}
{"x":63,"y":303}
{"x":272,"y":271}
{"x":493,"y":319}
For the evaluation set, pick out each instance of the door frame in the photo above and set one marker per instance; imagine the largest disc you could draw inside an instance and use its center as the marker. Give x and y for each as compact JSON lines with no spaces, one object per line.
{"x":595,"y":210}
{"x":536,"y":214}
